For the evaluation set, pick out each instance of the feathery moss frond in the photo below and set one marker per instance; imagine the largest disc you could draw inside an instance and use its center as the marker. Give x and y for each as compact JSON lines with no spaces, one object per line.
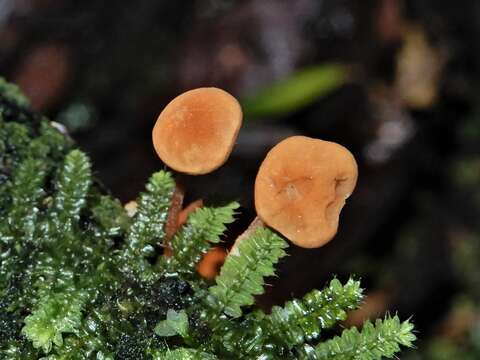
{"x":56,"y":314}
{"x":111,"y":216}
{"x":15,"y":142}
{"x":302,"y":320}
{"x":147,"y":227}
{"x":72,"y":186}
{"x":148,"y":224}
{"x":51,"y":145}
{"x":26,"y":192}
{"x":12,"y":93}
{"x":372,"y":343}
{"x":19,"y":350}
{"x":203,"y":227}
{"x":242,"y":275}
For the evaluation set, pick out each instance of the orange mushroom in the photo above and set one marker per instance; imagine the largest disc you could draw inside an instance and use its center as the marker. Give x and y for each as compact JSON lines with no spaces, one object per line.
{"x":301,"y":187}
{"x":209,"y":265}
{"x":196,"y":131}
{"x":211,"y":262}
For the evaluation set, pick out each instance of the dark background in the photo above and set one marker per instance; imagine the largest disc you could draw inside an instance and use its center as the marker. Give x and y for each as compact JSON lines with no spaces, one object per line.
{"x":408,"y":111}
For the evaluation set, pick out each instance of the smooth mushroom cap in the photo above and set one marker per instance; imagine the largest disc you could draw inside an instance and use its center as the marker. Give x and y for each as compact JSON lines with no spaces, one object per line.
{"x":196,"y":131}
{"x":301,"y":188}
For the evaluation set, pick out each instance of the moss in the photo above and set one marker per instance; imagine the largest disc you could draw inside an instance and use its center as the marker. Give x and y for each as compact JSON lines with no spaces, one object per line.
{"x":80,"y":279}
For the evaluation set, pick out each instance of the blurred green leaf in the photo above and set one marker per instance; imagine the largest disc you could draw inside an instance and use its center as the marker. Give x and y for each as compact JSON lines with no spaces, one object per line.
{"x":175,"y":324}
{"x":297,"y":91}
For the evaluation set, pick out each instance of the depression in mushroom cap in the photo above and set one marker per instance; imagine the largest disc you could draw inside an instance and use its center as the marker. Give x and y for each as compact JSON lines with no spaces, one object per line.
{"x":196,"y":131}
{"x":301,"y":187}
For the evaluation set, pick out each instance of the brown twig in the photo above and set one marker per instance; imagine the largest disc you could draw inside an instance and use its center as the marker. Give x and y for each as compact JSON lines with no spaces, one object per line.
{"x":183,"y":216}
{"x":172,"y":218}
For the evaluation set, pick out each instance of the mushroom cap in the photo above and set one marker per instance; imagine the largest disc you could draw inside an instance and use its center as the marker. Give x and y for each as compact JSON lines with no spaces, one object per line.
{"x":301,"y":187}
{"x":196,"y":131}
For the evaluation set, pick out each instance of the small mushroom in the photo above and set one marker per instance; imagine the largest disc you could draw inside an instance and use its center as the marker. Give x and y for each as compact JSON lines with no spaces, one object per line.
{"x":196,"y":131}
{"x":211,"y":262}
{"x":301,"y":187}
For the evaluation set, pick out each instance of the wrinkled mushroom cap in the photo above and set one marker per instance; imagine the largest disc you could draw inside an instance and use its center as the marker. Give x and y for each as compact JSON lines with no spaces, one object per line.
{"x":196,"y":131}
{"x":301,"y":188}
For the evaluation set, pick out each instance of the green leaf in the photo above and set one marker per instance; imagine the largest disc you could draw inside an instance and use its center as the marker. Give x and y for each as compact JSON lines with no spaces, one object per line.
{"x":175,"y":324}
{"x":242,"y":275}
{"x":299,"y":90}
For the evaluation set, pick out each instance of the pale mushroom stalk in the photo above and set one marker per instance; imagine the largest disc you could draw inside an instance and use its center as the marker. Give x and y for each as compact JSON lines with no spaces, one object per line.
{"x":254,"y":225}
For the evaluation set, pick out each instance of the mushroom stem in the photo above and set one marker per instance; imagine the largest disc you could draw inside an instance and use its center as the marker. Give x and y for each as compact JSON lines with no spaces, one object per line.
{"x":254,"y":225}
{"x":172,"y":218}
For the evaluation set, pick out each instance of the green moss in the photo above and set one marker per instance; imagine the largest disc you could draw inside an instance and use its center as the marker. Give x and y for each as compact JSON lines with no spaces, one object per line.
{"x":80,"y":279}
{"x":12,"y":93}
